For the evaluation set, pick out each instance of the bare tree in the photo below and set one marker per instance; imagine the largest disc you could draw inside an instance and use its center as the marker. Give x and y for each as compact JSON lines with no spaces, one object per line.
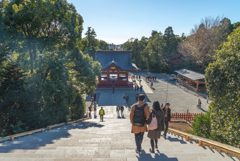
{"x":204,"y":39}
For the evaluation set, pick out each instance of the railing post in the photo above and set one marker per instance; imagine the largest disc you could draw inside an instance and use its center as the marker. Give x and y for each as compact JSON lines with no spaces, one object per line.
{"x":200,"y":143}
{"x":187,"y":116}
{"x":11,"y":138}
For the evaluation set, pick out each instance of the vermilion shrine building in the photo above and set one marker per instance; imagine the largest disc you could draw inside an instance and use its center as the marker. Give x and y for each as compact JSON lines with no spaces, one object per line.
{"x":116,"y":66}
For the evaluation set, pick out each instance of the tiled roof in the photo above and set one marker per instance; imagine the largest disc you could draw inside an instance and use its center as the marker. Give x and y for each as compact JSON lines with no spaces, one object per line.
{"x":190,"y":74}
{"x":123,"y":59}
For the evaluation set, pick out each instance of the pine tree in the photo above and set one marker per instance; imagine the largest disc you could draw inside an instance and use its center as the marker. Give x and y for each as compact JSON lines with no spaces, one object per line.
{"x":11,"y":92}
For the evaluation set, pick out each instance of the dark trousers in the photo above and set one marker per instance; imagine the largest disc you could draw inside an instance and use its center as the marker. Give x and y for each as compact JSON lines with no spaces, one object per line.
{"x":101,"y":117}
{"x":166,"y":126}
{"x":139,"y":139}
{"x":152,"y":143}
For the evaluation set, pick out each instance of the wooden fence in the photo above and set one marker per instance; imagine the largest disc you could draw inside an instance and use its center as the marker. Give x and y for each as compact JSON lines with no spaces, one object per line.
{"x":185,"y":116}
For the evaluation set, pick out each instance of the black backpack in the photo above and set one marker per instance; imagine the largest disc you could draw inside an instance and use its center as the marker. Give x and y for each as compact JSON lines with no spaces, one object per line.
{"x":139,"y":118}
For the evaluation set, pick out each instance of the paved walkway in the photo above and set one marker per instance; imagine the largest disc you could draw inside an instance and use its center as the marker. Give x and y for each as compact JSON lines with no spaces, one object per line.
{"x":110,"y":140}
{"x":163,"y":90}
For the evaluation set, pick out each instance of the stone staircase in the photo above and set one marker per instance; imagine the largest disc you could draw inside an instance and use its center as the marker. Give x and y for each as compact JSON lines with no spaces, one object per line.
{"x":110,"y":140}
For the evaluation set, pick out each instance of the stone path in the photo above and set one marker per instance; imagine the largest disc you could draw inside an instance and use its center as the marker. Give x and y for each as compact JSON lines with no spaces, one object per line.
{"x":110,"y":140}
{"x":179,"y":99}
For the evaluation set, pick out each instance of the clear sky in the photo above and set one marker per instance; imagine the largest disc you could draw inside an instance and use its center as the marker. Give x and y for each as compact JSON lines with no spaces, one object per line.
{"x":116,"y":21}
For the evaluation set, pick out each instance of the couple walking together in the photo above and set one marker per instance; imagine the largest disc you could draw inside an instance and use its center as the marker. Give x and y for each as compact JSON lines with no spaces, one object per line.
{"x":140,"y":116}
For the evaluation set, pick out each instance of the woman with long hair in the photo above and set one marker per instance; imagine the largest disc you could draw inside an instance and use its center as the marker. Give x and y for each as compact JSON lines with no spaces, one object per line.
{"x":155,"y":134}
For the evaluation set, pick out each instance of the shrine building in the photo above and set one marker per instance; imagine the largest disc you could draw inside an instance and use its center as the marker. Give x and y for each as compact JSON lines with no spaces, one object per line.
{"x":191,"y":79}
{"x":116,"y":66}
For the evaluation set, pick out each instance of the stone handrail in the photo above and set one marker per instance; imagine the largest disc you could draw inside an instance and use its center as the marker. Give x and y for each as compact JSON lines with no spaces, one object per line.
{"x":11,"y":137}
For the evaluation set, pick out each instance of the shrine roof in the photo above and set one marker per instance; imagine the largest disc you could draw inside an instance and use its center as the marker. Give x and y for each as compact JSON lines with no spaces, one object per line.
{"x":190,"y":74}
{"x":122,"y":59}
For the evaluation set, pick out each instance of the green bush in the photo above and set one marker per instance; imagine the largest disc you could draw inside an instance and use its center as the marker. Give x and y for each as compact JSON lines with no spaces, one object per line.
{"x":222,"y":81}
{"x":202,"y":126}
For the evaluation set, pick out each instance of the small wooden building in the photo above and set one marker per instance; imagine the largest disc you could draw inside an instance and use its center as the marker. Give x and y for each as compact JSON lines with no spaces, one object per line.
{"x":191,"y":79}
{"x":116,"y":66}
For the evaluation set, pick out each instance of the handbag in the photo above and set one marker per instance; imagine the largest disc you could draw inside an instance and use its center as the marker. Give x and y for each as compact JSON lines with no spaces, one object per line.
{"x":154,"y":124}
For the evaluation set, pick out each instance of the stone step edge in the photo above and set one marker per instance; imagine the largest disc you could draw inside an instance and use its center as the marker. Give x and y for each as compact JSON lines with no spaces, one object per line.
{"x":16,"y":136}
{"x":220,"y":147}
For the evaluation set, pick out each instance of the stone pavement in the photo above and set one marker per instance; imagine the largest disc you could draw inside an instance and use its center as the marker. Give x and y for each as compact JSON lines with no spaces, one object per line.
{"x":110,"y":140}
{"x":179,"y":99}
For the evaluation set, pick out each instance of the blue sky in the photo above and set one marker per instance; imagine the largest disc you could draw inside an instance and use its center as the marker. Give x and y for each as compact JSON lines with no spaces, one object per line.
{"x":116,"y":21}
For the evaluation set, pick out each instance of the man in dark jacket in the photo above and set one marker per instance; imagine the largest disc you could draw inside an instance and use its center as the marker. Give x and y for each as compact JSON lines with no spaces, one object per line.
{"x":127,"y":97}
{"x":167,"y":116}
{"x":122,"y":109}
{"x":94,"y":96}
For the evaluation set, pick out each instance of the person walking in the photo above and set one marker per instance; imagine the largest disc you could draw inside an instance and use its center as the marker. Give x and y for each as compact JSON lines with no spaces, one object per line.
{"x":139,"y":77}
{"x":127,"y":97}
{"x":113,"y":87}
{"x":140,"y":88}
{"x":135,"y":87}
{"x":101,"y":113}
{"x":90,"y":110}
{"x":122,"y":109}
{"x":94,"y":97}
{"x":154,"y":133}
{"x":151,"y":84}
{"x":136,"y":97}
{"x":138,"y":116}
{"x":199,"y":103}
{"x":140,"y":81}
{"x":167,"y":117}
{"x":95,"y":110}
{"x":207,"y":98}
{"x":124,"y":99}
{"x":155,"y":77}
{"x":117,"y":109}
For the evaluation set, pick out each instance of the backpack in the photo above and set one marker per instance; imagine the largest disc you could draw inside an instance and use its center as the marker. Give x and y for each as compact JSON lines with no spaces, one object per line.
{"x":154,"y":124}
{"x":139,"y":118}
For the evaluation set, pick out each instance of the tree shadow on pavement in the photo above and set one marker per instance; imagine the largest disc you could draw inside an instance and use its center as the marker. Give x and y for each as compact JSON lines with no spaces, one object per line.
{"x":42,"y":139}
{"x":143,"y":156}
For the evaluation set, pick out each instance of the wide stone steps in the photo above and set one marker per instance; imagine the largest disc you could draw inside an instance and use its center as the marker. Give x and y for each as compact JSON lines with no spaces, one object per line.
{"x":110,"y":140}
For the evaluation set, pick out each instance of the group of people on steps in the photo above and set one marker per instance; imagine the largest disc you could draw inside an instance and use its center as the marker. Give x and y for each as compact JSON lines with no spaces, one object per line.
{"x":141,"y":116}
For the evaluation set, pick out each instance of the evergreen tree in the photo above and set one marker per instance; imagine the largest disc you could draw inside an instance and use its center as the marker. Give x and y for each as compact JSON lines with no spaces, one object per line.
{"x":92,"y":42}
{"x":103,"y":45}
{"x":222,"y":81}
{"x":11,"y":92}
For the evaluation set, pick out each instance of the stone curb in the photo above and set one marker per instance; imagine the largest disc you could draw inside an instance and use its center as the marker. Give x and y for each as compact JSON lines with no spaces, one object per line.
{"x":16,"y":136}
{"x":220,"y":147}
